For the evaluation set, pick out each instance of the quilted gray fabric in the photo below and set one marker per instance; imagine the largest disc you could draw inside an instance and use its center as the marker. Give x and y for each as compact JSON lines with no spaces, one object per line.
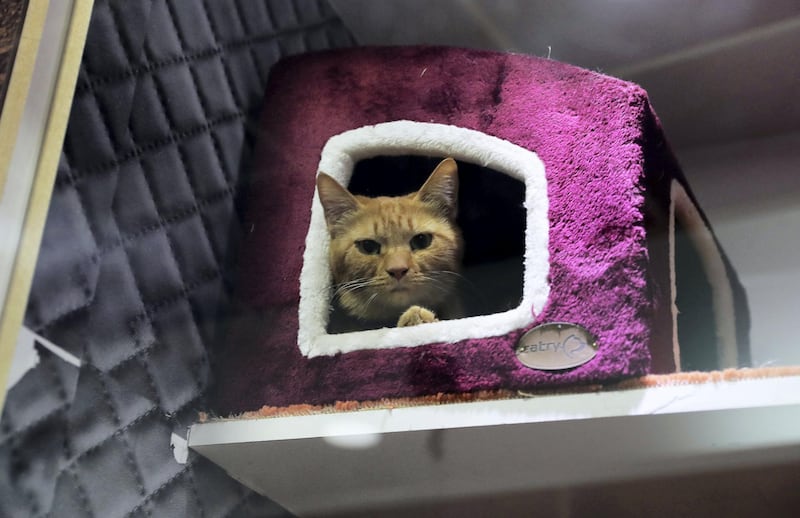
{"x":133,"y":275}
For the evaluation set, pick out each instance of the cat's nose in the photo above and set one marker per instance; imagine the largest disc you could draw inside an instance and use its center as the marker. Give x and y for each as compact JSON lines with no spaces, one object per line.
{"x":397,"y":272}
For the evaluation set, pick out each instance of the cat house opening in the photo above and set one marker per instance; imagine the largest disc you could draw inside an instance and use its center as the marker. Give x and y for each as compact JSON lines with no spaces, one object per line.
{"x":491,"y":217}
{"x":503,"y":209}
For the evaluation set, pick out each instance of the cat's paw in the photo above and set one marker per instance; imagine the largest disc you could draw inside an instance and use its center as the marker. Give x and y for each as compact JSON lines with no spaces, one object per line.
{"x":416,"y":315}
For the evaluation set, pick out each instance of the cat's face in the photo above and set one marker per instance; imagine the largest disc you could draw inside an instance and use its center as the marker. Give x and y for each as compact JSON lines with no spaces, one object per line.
{"x":388,"y":253}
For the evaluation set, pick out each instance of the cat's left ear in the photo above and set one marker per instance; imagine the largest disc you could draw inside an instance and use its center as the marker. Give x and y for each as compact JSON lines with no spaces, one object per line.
{"x":336,"y":200}
{"x":441,"y":188}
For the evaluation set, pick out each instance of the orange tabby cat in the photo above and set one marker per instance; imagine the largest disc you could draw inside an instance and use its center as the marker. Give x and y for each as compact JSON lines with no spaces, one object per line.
{"x":395,"y":260}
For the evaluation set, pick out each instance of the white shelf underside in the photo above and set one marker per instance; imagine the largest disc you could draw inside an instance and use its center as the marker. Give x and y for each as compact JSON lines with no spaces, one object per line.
{"x":374,"y":458}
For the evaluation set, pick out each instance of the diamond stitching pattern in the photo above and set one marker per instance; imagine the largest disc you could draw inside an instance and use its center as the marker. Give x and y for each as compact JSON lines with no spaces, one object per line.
{"x":159,"y":138}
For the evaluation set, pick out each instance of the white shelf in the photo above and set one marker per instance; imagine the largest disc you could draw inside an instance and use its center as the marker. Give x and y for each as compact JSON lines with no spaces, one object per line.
{"x":357,"y":460}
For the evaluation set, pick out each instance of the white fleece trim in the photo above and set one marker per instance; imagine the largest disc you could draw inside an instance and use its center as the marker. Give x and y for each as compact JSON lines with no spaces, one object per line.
{"x":398,"y":138}
{"x":717,"y":274}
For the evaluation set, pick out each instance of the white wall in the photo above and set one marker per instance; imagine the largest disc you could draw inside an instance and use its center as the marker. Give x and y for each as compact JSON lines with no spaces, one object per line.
{"x":751,"y":193}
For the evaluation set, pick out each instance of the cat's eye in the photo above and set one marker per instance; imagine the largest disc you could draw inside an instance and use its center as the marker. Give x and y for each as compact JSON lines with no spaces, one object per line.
{"x":368,"y":246}
{"x":421,"y":241}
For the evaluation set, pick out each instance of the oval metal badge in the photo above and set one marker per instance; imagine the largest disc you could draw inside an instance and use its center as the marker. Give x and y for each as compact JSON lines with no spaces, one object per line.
{"x":556,"y":346}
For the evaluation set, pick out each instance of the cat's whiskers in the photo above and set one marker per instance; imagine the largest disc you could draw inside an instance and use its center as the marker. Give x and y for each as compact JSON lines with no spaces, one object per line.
{"x":451,"y":273}
{"x":467,"y":288}
{"x":369,"y":301}
{"x":438,"y":286}
{"x":436,"y":281}
{"x":355,"y":285}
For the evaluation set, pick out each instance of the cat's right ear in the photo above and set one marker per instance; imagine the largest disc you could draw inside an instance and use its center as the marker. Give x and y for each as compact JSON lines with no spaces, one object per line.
{"x":335,"y":199}
{"x":441,"y":188}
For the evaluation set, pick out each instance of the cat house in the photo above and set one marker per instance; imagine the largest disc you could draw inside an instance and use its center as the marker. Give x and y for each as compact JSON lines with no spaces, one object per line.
{"x":575,"y":215}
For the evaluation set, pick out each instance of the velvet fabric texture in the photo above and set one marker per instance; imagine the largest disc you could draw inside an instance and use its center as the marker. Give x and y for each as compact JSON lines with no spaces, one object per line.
{"x":608,"y":171}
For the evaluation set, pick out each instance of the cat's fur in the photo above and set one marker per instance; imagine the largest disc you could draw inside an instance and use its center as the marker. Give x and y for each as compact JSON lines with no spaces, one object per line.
{"x":395,"y":260}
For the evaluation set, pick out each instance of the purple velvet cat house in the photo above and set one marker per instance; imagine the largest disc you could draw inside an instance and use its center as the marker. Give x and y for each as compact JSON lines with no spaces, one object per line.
{"x":572,"y":205}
